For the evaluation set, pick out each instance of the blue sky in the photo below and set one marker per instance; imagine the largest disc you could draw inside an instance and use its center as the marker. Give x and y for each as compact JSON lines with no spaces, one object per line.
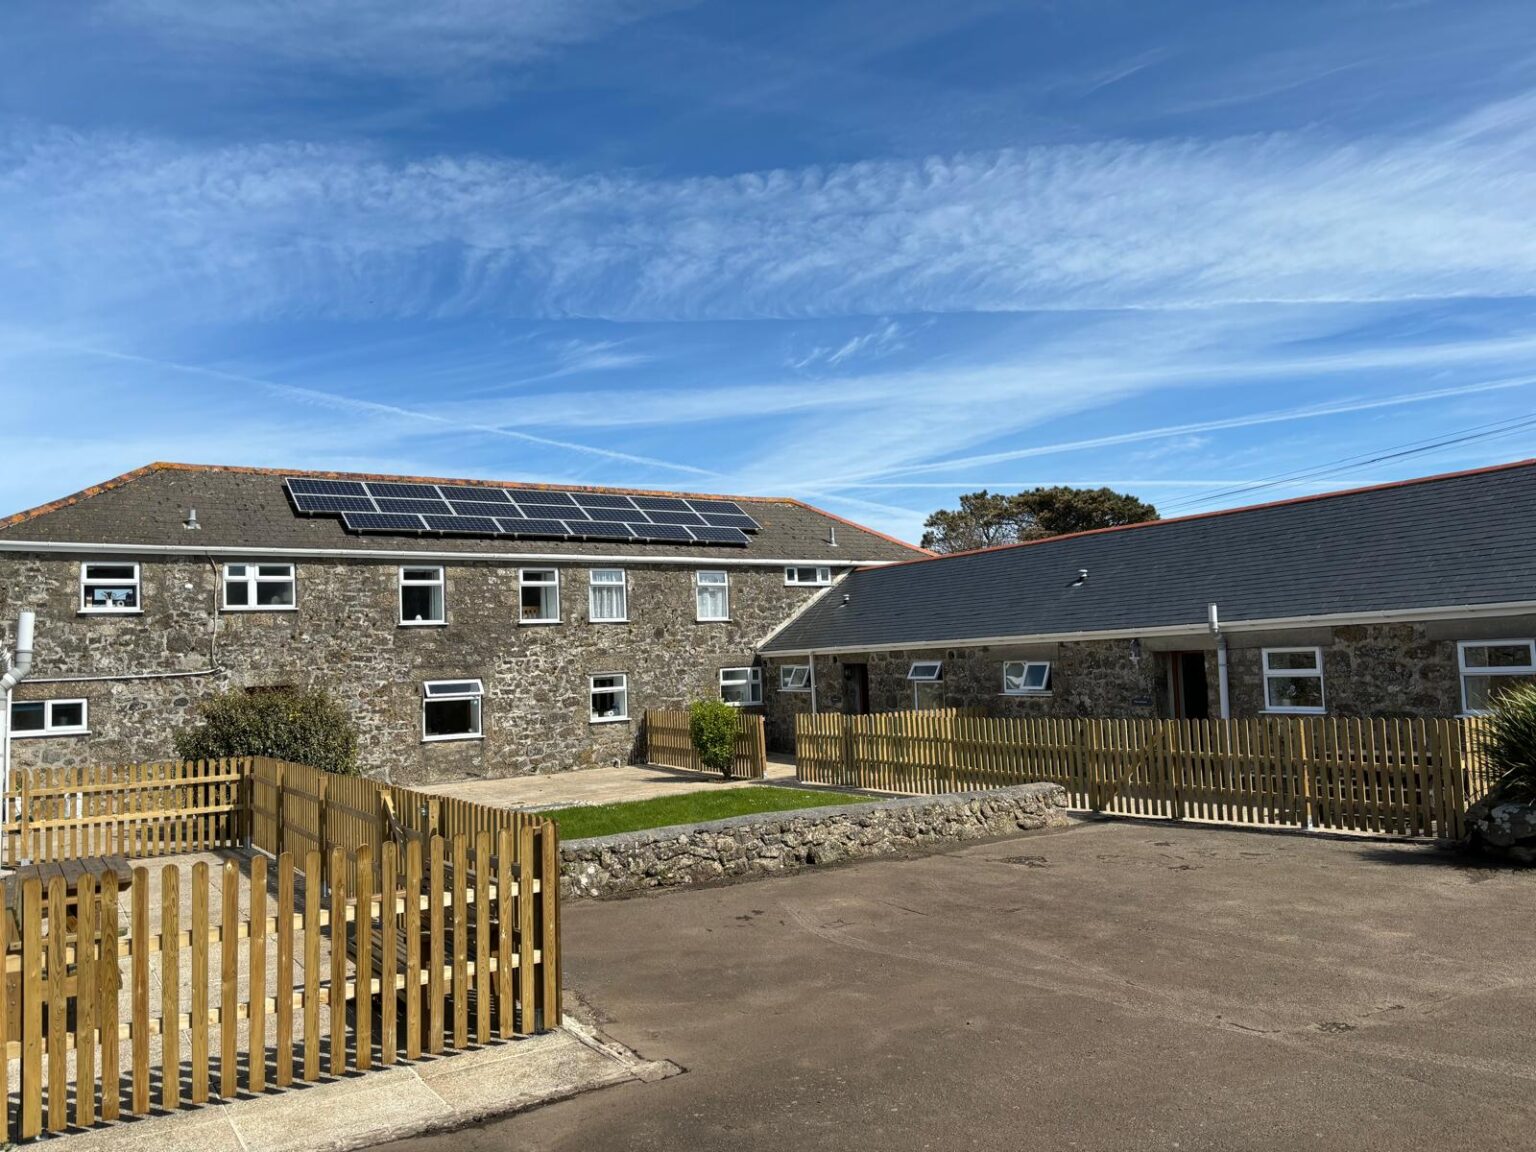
{"x":869,"y":254}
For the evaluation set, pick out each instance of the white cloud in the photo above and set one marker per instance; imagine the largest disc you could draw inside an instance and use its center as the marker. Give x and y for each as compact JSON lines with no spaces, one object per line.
{"x":385,"y":36}
{"x":885,"y":338}
{"x":110,"y":223}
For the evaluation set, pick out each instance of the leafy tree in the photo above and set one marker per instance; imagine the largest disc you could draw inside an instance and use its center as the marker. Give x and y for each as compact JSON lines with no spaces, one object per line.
{"x":712,"y":728}
{"x":305,"y":727}
{"x":985,"y":519}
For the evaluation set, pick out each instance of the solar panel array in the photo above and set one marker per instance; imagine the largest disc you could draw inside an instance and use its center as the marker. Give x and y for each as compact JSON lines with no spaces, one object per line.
{"x":462,"y":510}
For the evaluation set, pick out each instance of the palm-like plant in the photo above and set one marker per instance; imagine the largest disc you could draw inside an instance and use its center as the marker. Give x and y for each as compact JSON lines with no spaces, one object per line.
{"x":1509,"y":743}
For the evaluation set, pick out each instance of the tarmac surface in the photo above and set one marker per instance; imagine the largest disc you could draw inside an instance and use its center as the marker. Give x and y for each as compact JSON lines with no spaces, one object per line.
{"x":1115,"y":985}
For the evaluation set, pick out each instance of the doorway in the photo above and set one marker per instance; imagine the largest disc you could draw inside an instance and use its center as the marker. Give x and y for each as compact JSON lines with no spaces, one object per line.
{"x":1188,"y":693}
{"x":856,"y":689}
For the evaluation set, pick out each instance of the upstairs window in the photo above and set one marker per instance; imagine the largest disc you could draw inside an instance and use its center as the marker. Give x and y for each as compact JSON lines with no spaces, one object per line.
{"x":450,"y":709}
{"x":1293,"y":680}
{"x":808,"y":577}
{"x":539,"y":589}
{"x":421,"y":596}
{"x":607,"y":597}
{"x":741,"y":687}
{"x":926,"y":671}
{"x":1026,"y":677}
{"x":794,"y":678}
{"x":714,"y":595}
{"x":108,"y":588}
{"x":259,"y":587}
{"x":48,"y":718}
{"x":1490,"y":667}
{"x":610,"y":697}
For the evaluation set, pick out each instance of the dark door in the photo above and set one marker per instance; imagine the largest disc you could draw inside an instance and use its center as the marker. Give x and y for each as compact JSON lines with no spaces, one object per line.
{"x":856,"y":689}
{"x":1188,"y":692}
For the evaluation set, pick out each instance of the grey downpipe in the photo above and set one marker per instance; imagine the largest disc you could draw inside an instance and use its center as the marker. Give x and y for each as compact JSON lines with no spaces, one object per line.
{"x":1221,"y":662}
{"x":16,"y":671}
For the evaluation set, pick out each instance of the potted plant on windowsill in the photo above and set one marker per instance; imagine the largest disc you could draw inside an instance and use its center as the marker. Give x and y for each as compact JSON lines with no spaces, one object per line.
{"x":1503,"y":823}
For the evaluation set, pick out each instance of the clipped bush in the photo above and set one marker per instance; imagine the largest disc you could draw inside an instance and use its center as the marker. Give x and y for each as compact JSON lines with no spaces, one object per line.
{"x":1509,"y":743}
{"x":304,"y":727}
{"x":712,"y":728}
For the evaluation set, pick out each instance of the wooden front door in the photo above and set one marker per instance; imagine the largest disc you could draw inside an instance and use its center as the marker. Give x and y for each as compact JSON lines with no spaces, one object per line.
{"x":1188,"y":693}
{"x":856,"y":689}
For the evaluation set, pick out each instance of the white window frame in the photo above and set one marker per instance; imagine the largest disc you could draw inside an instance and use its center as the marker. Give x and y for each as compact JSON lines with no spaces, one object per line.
{"x":699,"y":585}
{"x":822,"y":576}
{"x":1512,"y":670}
{"x":86,"y":583}
{"x":1294,"y":674}
{"x":753,"y":681}
{"x":49,"y":728}
{"x":440,"y":582}
{"x":593,"y":584}
{"x":437,"y":691}
{"x":794,"y":677}
{"x":252,"y":579}
{"x":622,"y":691}
{"x":1025,"y":666}
{"x":926,"y":671}
{"x":523,"y":581}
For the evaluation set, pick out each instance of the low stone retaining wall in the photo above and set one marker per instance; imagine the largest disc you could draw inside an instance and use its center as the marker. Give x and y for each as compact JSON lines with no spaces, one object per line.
{"x":767,"y":843}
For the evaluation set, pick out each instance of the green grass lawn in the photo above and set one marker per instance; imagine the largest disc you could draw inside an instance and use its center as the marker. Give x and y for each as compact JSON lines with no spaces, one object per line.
{"x":689,"y":808}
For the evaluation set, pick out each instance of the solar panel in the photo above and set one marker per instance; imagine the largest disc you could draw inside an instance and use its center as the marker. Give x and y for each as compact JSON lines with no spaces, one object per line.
{"x":662,"y":533}
{"x":404,"y":491}
{"x":722,"y":507}
{"x":481,"y":508}
{"x":463,"y":525}
{"x":395,"y":504}
{"x":603,"y":500}
{"x":539,"y":496}
{"x":534,"y":527}
{"x":661,"y":503}
{"x":600,"y":530}
{"x":623,"y":515}
{"x":301,"y":486}
{"x":332,"y":504}
{"x":745,"y":523}
{"x":475,"y":495}
{"x":677,"y":517}
{"x":708,"y":535}
{"x":381,"y":522}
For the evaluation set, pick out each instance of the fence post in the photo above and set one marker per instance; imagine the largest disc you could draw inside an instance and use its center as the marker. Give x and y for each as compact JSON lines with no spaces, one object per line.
{"x":1085,"y":771}
{"x":1304,"y":767}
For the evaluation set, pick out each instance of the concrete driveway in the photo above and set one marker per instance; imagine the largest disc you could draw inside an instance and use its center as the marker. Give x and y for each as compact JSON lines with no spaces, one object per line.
{"x":1110,"y":986}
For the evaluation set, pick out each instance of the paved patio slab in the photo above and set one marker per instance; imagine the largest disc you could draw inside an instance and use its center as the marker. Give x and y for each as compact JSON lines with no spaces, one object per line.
{"x":598,"y":785}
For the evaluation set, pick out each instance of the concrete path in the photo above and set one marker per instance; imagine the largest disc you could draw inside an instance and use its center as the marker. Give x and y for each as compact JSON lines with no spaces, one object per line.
{"x":361,"y":1110}
{"x":1115,"y":986}
{"x":596,"y":786}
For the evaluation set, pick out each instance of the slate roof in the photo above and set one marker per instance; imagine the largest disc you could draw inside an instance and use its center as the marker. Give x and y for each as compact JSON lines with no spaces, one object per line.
{"x":1461,"y":539}
{"x":248,"y":508}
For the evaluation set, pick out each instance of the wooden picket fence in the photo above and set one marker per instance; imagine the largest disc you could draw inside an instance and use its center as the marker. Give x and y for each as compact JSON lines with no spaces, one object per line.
{"x":377,"y":929}
{"x":1400,"y":776}
{"x":668,"y":743}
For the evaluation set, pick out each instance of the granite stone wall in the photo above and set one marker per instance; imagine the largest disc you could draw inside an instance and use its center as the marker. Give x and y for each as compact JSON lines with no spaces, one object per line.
{"x":768,"y":844}
{"x":345,"y":636}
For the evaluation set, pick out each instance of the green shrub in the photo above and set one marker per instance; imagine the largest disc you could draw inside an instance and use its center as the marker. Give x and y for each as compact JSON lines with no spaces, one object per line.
{"x":1509,"y":743}
{"x":712,"y":728}
{"x":304,"y":727}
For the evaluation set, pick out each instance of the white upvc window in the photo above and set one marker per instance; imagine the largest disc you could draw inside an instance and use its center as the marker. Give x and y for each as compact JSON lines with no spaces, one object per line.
{"x":926,"y":671}
{"x":741,"y":687}
{"x":48,"y":718}
{"x":1293,"y":680}
{"x":539,"y":595}
{"x":794,"y":677}
{"x":713,"y":593}
{"x":450,"y":709}
{"x":1026,"y":677}
{"x":610,"y":697}
{"x":808,"y":577}
{"x":107,"y":588}
{"x":1489,"y":667}
{"x":421,"y":596}
{"x":260,"y":588}
{"x":607,"y":596}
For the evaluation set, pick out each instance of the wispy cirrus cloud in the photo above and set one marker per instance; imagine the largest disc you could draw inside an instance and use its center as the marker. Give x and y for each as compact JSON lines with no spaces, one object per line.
{"x":402,"y":37}
{"x":111,"y":222}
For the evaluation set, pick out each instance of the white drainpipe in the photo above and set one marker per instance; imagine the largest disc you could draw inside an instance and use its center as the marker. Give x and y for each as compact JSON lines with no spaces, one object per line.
{"x":16,"y":671}
{"x":1221,"y":661}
